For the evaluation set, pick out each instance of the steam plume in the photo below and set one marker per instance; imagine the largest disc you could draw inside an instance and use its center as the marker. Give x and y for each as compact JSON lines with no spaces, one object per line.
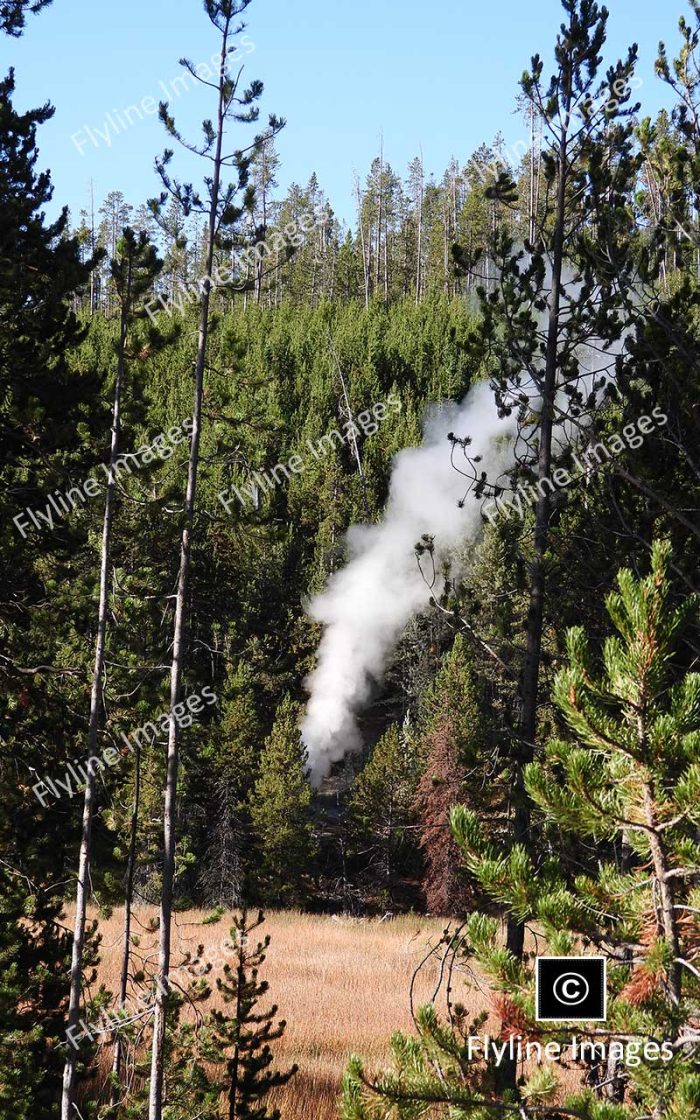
{"x":367,"y":604}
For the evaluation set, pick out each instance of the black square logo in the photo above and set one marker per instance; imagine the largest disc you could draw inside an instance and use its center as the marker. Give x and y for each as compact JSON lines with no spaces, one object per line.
{"x":570,"y":988}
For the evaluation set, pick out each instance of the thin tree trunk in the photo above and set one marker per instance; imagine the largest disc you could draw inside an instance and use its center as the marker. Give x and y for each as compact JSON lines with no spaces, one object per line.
{"x":386,"y":260}
{"x":456,"y":279}
{"x":380,"y":217}
{"x":533,"y":654}
{"x":234,"y":1060}
{"x":353,"y":437}
{"x":531,"y":230}
{"x":155,"y":1102}
{"x":93,"y":297}
{"x":365,"y":265}
{"x":126,"y":944}
{"x":82,"y":888}
{"x":446,"y":249}
{"x":665,"y":895}
{"x":314,"y":266}
{"x":419,"y":247}
{"x":515,"y":932}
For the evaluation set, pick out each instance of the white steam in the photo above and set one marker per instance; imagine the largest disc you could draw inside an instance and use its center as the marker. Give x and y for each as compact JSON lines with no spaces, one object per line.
{"x":367,"y":604}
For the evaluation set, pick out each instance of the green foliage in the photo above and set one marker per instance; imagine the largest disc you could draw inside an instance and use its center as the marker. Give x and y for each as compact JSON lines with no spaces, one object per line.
{"x":33,"y":963}
{"x":381,"y":804}
{"x":454,"y":749}
{"x":280,"y":810}
{"x":220,"y":1062}
{"x":630,"y":772}
{"x":13,"y":14}
{"x":402,"y":316}
{"x":242,"y":1038}
{"x":48,"y":418}
{"x":626,"y":774}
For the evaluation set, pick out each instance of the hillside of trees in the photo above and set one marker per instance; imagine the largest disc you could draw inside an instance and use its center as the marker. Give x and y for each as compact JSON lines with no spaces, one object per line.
{"x":531,"y":753}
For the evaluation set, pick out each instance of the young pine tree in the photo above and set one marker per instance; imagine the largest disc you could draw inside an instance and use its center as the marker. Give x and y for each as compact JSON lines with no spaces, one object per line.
{"x":229,"y":765}
{"x":628,"y":779}
{"x":280,"y":809}
{"x":382,"y":806}
{"x":243,"y":1038}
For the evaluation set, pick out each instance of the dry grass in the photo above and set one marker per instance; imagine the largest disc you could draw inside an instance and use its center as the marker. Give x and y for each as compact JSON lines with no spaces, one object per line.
{"x":342,"y":984}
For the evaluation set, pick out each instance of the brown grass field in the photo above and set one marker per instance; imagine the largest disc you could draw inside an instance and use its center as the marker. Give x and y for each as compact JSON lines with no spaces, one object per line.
{"x":342,"y":984}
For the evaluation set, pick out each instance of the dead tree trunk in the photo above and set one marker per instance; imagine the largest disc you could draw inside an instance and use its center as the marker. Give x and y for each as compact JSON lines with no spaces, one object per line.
{"x":155,"y":1102}
{"x":82,"y":888}
{"x":419,"y":236}
{"x":126,"y":943}
{"x":365,"y":263}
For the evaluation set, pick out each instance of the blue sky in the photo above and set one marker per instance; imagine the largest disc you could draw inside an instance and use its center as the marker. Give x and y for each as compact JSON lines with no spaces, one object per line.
{"x":440,"y":75}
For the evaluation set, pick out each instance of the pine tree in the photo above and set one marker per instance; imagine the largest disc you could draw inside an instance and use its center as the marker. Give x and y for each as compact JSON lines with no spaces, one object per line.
{"x":115,"y":212}
{"x":50,"y":416}
{"x":455,"y":747}
{"x":133,"y":272}
{"x":173,"y":228}
{"x":679,"y":196}
{"x":243,"y":1038}
{"x":280,"y":810}
{"x":555,"y":296}
{"x":382,"y":807}
{"x":627,"y":773}
{"x":34,"y":957}
{"x":229,"y":768}
{"x":13,"y":14}
{"x":416,"y":192}
{"x":628,"y":778}
{"x":263,"y":169}
{"x":223,"y":213}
